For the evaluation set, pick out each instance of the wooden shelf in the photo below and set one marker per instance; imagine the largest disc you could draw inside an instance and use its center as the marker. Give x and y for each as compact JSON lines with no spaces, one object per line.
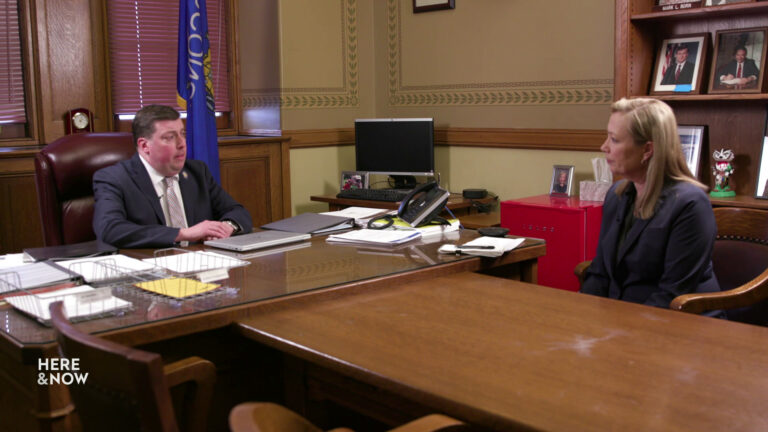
{"x":741,"y":97}
{"x":740,"y":201}
{"x":702,"y":13}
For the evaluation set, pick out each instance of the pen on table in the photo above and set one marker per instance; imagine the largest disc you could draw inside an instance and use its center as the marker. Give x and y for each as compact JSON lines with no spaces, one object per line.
{"x":474,"y":247}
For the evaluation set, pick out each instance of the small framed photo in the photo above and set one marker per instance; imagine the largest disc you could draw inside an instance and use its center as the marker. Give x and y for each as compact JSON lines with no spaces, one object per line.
{"x":739,"y":61}
{"x":430,"y":5}
{"x":691,"y":138}
{"x":724,"y":2}
{"x":562,"y":180}
{"x":680,"y":65}
{"x":354,"y":180}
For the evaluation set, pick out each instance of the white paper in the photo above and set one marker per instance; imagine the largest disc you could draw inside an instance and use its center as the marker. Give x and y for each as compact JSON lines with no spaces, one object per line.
{"x":500,"y":246}
{"x":105,"y":267}
{"x":371,"y":236}
{"x":79,"y":302}
{"x":195,"y":262}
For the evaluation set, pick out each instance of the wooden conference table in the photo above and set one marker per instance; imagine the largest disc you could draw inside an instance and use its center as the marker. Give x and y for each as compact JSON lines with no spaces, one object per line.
{"x":508,"y":355}
{"x":298,"y":271}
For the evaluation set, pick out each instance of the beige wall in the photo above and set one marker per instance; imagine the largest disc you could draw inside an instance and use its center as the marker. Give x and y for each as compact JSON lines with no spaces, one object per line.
{"x":487,"y":63}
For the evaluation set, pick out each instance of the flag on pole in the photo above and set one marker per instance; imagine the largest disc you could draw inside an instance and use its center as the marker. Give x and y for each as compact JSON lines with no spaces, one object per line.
{"x":194,"y":84}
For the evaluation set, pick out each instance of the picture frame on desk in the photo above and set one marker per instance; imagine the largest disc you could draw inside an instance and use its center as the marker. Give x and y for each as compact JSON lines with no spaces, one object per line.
{"x":686,"y":53}
{"x":739,"y":61}
{"x":432,"y":5}
{"x":562,"y":180}
{"x":354,"y":180}
{"x":691,"y":138}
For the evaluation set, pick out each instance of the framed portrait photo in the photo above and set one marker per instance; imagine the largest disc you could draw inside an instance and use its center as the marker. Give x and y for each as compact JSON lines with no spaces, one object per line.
{"x":691,"y":138}
{"x":739,"y":61}
{"x":680,"y":64}
{"x":430,"y":5}
{"x":562,"y":180}
{"x":354,"y":180}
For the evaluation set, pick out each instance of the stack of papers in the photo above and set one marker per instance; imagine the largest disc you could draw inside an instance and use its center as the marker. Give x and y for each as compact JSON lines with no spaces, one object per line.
{"x":483,"y":246}
{"x":80,"y":302}
{"x":361,"y":215}
{"x":177,"y":288}
{"x":376,"y":237}
{"x":106,"y":267}
{"x":34,"y":275}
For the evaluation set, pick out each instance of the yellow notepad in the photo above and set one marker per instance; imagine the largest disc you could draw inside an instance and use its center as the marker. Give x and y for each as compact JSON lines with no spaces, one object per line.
{"x":177,"y":287}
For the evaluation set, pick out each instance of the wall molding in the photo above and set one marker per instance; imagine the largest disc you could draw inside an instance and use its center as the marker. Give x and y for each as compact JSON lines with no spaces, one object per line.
{"x":537,"y":139}
{"x":562,"y":92}
{"x":348,"y":95}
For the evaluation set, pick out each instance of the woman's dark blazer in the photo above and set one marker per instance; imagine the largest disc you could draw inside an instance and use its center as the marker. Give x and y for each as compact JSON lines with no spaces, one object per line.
{"x":661,"y":257}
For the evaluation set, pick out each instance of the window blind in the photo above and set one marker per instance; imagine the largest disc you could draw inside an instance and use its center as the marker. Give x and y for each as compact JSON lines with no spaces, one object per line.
{"x":143,"y":38}
{"x":11,"y":73}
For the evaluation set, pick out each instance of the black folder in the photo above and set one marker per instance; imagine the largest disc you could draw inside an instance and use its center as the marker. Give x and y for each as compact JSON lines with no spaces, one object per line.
{"x":74,"y":250}
{"x":311,"y":223}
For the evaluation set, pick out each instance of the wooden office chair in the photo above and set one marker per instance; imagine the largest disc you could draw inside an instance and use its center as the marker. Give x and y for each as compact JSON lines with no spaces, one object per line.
{"x":740,"y":260}
{"x":268,"y":417}
{"x":128,"y":389}
{"x":64,"y":178}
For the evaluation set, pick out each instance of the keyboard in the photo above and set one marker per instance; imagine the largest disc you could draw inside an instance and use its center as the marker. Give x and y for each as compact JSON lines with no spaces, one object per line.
{"x":390,"y":195}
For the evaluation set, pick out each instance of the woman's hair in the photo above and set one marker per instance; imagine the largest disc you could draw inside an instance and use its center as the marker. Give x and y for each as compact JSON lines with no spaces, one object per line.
{"x":652,"y":120}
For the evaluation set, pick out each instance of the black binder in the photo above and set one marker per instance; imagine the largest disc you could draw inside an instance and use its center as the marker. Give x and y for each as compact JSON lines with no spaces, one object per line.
{"x":311,"y":223}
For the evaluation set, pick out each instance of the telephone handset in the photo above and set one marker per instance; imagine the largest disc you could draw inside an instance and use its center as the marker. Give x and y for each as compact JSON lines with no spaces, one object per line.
{"x":423,"y":204}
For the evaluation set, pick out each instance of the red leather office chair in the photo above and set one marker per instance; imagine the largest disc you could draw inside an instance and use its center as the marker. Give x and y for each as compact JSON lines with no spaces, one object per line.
{"x":64,"y":175}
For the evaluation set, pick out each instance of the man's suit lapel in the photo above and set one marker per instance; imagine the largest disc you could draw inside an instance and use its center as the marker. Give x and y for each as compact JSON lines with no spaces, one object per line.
{"x":143,"y":182}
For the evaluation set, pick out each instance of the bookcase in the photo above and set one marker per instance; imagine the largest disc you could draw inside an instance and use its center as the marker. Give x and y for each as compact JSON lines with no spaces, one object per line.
{"x":734,"y":121}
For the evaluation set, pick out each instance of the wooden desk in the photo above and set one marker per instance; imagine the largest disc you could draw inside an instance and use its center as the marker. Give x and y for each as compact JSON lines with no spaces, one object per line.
{"x":508,"y":355}
{"x":456,"y":203}
{"x":272,"y":278}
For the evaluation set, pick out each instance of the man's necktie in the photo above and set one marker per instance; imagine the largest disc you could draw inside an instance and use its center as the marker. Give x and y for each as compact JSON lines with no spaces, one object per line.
{"x":738,"y":71}
{"x":677,"y":72}
{"x":174,"y":206}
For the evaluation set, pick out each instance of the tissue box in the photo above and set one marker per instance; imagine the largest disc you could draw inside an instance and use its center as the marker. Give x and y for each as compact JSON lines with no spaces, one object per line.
{"x":590,"y":190}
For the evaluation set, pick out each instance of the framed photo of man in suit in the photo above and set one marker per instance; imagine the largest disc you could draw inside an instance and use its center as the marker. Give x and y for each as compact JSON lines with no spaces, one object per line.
{"x":739,"y":61}
{"x":679,"y":65}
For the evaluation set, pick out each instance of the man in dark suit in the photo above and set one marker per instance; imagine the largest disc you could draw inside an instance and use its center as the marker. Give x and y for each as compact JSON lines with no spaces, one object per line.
{"x":741,"y":72}
{"x":681,"y":72}
{"x":159,"y":198}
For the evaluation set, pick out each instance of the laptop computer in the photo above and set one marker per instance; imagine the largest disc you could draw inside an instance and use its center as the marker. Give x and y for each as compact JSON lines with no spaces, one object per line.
{"x":257,"y":240}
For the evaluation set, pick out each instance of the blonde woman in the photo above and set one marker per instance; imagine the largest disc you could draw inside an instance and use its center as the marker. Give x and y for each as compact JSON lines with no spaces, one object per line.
{"x":658,"y":228}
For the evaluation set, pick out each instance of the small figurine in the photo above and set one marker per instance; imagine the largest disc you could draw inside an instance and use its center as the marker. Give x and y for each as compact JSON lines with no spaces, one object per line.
{"x":722,"y":171}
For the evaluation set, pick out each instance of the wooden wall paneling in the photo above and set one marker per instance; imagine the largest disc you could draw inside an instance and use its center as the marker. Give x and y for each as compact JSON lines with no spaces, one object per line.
{"x":736,"y":125}
{"x":19,"y":215}
{"x":251,"y":171}
{"x":66,"y":63}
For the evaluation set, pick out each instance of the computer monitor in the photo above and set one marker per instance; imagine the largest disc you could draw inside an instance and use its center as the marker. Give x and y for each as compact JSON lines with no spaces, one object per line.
{"x":399,"y":147}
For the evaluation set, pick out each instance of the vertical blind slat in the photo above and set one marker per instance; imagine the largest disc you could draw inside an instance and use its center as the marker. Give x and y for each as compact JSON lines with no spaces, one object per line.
{"x":12,"y":108}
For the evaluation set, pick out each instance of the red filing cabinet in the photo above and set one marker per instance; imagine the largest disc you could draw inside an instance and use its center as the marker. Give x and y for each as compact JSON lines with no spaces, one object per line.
{"x":570,"y":227}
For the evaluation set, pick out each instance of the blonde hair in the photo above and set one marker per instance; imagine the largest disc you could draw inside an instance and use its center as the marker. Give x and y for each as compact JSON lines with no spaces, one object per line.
{"x":652,"y":120}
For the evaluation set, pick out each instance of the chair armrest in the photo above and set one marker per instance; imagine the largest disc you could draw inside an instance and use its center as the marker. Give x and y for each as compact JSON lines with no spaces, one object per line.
{"x":745,"y":295}
{"x":433,"y":422}
{"x":202,"y":374}
{"x":581,"y":270}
